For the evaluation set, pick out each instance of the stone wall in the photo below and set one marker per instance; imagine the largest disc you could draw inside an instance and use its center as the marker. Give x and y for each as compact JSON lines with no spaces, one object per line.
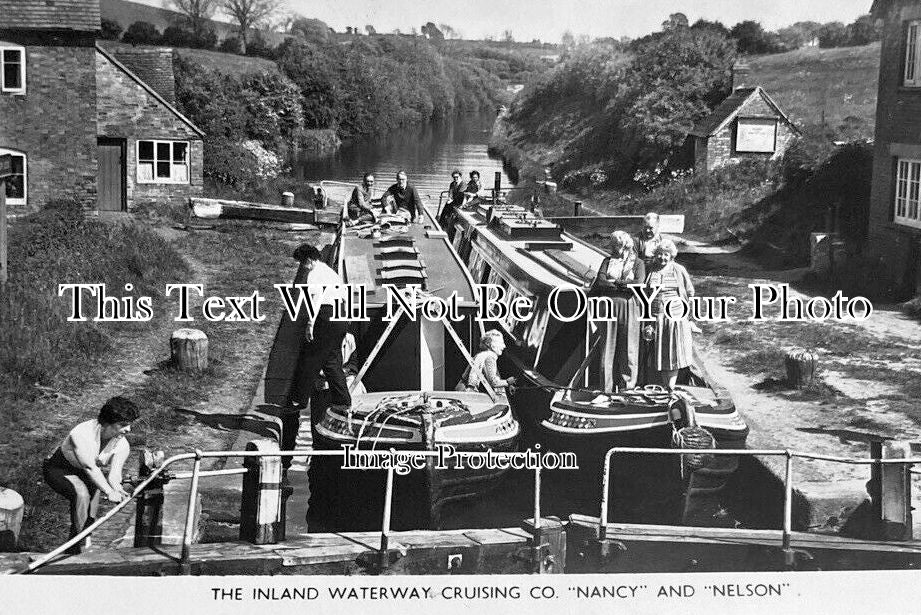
{"x":896,"y":247}
{"x":126,"y":110}
{"x":54,"y":122}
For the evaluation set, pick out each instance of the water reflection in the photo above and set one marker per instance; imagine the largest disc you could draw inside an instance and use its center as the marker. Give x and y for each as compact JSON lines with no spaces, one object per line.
{"x":427,"y":153}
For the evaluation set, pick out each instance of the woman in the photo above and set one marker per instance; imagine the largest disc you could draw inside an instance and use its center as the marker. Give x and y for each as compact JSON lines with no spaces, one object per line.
{"x":621,"y":348}
{"x":455,"y":199}
{"x":75,"y":469}
{"x":671,"y":349}
{"x":473,"y":187}
{"x":486,"y":365}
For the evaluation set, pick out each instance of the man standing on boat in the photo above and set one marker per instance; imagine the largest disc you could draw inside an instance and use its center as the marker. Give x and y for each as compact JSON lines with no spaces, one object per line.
{"x":324,"y":336}
{"x":405,"y":197}
{"x":648,"y":239}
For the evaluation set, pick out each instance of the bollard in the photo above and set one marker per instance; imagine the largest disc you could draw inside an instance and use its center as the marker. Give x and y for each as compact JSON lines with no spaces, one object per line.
{"x":261,"y":522}
{"x":12,"y":507}
{"x":287,"y":199}
{"x":577,"y":208}
{"x":148,"y":518}
{"x":547,"y":548}
{"x":895,"y":488}
{"x":189,"y":350}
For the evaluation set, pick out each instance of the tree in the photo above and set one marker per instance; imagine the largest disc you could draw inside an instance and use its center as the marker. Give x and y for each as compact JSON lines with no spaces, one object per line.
{"x":508,"y":36}
{"x":752,"y":38}
{"x":713,"y":26}
{"x":111,"y":30}
{"x":675,"y":21}
{"x":431,"y":32}
{"x":833,"y":34}
{"x":142,"y":33}
{"x":448,"y":31}
{"x":799,"y":34}
{"x":371,"y":30}
{"x":863,"y":31}
{"x":197,"y":13}
{"x":248,"y":14}
{"x":312,"y":30}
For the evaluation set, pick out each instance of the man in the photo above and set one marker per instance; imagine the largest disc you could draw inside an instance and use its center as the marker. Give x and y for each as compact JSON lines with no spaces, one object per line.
{"x":648,"y":239}
{"x":323,"y":349}
{"x":360,"y":208}
{"x":405,"y":199}
{"x":455,"y":199}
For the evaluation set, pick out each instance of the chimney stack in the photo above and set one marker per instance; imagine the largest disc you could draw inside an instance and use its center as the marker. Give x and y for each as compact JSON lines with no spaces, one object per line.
{"x":740,"y":75}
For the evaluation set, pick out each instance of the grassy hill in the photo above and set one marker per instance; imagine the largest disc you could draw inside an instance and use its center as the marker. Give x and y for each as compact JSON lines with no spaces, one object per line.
{"x":838,"y":83}
{"x":228,"y":63}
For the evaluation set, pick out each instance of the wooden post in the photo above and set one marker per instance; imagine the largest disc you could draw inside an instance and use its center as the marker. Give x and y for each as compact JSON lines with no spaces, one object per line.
{"x":497,"y":187}
{"x":547,"y":545}
{"x":577,"y":208}
{"x":800,"y":365}
{"x":6,"y":168}
{"x":895,"y":488}
{"x":261,"y":522}
{"x":11,"y":510}
{"x":189,"y":350}
{"x":148,"y":519}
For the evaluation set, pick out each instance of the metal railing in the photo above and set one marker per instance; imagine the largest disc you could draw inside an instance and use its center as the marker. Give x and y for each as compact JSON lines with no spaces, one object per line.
{"x":197,"y":473}
{"x":787,"y":530}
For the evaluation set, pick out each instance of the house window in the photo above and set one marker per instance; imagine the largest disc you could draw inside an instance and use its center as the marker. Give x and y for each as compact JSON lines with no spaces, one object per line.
{"x":908,"y":193}
{"x":912,"y":74}
{"x":163,"y":162}
{"x":16,"y":185}
{"x":12,"y":69}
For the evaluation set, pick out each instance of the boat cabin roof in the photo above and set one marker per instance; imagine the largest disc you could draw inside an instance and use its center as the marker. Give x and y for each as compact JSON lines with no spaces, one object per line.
{"x":421,"y":255}
{"x":535,"y":254}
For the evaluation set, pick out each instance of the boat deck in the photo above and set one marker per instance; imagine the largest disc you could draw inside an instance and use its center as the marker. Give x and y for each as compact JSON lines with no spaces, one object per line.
{"x":420,"y":255}
{"x":565,"y":261}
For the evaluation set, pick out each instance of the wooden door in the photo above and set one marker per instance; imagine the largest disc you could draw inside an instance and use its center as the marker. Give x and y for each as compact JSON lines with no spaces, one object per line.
{"x":111,"y":178}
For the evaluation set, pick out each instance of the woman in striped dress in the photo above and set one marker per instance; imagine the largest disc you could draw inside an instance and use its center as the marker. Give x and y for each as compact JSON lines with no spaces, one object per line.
{"x":671,"y":349}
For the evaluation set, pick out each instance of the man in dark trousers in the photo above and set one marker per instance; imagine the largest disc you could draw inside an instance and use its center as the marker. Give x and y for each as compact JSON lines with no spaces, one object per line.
{"x":323,"y":349}
{"x":405,"y":197}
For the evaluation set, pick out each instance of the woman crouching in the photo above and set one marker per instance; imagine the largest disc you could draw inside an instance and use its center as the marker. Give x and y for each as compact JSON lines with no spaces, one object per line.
{"x":75,"y":469}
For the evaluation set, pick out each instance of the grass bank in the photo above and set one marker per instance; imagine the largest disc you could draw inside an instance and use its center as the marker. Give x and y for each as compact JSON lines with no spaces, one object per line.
{"x":56,"y":373}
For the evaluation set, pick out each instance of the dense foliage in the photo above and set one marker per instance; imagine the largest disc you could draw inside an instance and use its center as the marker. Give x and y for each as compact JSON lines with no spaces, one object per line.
{"x":650,"y":92}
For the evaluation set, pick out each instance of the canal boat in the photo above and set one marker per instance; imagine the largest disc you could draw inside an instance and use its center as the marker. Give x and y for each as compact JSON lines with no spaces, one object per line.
{"x":403,"y":393}
{"x":560,"y":399}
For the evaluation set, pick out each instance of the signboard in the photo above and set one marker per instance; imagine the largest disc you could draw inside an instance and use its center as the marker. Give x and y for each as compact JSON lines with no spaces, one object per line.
{"x":756,"y":135}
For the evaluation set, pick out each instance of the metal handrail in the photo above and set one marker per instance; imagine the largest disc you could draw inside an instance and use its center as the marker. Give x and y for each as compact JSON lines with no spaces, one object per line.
{"x":787,"y":530}
{"x":196,"y":473}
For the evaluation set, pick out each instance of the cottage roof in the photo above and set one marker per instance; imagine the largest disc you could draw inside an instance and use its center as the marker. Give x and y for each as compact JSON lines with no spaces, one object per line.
{"x":108,"y":56}
{"x":153,"y":65}
{"x":727,"y":110}
{"x":77,"y":15}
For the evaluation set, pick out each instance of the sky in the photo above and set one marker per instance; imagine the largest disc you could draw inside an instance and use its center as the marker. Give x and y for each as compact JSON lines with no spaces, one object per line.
{"x":548,"y":19}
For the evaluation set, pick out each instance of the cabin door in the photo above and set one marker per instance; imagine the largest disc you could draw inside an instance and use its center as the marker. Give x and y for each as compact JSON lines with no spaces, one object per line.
{"x":112,"y":188}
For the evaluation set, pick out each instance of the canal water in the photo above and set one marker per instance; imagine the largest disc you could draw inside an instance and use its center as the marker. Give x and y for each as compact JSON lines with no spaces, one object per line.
{"x":428,"y":153}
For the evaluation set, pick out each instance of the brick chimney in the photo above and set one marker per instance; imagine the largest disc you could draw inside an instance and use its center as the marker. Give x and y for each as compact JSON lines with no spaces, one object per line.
{"x":740,"y":76}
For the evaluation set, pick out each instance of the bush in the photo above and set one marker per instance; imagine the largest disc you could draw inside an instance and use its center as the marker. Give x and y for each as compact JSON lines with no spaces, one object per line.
{"x":230,"y":45}
{"x":110,"y":30}
{"x":142,"y":33}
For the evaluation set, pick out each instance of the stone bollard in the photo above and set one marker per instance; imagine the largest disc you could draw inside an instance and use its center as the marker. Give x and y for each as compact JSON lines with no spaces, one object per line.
{"x":287,"y":199}
{"x":801,"y":366}
{"x":189,"y":350}
{"x":261,"y":520}
{"x":11,"y":510}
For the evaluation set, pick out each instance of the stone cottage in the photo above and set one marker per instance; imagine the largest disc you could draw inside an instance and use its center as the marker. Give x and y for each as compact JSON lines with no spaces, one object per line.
{"x":80,"y":123}
{"x":748,"y":124}
{"x":894,"y":230}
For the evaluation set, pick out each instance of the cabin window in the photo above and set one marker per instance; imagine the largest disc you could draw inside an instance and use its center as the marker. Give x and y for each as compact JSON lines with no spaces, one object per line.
{"x":907,"y":208}
{"x":478,"y":266}
{"x":912,"y":51}
{"x":12,"y":69}
{"x":163,"y":162}
{"x":16,"y":184}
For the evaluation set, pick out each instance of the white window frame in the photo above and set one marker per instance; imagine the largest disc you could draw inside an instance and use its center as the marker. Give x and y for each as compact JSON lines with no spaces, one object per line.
{"x":4,"y":47}
{"x":911,"y":74}
{"x":25,"y":176}
{"x":163,"y":180}
{"x":906,"y":202}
